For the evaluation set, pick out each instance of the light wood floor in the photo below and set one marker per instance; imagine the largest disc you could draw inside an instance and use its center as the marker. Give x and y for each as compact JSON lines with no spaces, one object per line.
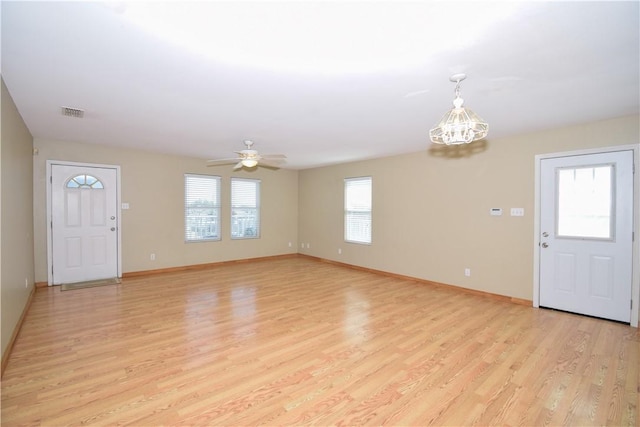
{"x":297,"y":341}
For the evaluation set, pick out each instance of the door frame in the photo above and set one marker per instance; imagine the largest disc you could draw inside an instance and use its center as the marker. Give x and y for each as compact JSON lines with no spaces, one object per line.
{"x":635,"y":247}
{"x":50,"y":163}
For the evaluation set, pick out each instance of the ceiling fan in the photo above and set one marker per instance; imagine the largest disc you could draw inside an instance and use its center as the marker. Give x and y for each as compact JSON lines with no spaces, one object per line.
{"x":250,"y":158}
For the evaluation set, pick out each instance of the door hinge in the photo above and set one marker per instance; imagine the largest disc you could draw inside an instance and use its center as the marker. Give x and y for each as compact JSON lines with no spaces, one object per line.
{"x":50,"y":179}
{"x":631,"y":305}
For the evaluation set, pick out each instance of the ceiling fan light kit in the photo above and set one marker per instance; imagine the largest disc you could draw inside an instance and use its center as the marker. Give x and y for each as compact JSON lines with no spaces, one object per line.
{"x":249,"y":163}
{"x":249,"y":157}
{"x":460,"y":125}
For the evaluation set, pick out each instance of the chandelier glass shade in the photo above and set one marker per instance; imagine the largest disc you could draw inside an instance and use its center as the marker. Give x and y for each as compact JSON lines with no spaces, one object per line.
{"x":249,"y":163}
{"x":460,"y":125}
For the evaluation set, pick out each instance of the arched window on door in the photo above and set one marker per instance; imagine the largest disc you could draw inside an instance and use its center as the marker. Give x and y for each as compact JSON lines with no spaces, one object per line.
{"x":85,"y":181}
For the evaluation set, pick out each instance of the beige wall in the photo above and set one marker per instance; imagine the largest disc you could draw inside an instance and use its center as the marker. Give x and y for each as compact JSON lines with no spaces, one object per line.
{"x":446,"y":194}
{"x":431,"y":209}
{"x":16,"y":185}
{"x":153,"y":185}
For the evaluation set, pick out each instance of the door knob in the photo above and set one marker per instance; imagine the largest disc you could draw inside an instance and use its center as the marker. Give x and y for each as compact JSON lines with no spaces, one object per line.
{"x":545,"y":245}
{"x":113,"y":229}
{"x":545,"y":234}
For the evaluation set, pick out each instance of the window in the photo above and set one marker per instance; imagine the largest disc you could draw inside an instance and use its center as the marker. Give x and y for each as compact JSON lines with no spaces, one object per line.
{"x":84,"y":181}
{"x":201,"y":208}
{"x":585,"y":198}
{"x":357,"y":210}
{"x":245,"y":208}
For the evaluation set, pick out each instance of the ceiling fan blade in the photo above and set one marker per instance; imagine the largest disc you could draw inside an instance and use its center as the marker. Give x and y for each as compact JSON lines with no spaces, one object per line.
{"x":214,"y":162}
{"x":274,"y":163}
{"x":273,"y":156}
{"x":238,"y":166}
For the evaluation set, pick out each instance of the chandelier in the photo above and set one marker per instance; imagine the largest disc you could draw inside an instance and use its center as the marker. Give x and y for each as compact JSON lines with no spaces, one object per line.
{"x":460,"y":125}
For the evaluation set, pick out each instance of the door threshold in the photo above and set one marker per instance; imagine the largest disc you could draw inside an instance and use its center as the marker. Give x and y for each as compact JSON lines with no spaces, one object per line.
{"x":586,"y":315}
{"x":90,"y":284}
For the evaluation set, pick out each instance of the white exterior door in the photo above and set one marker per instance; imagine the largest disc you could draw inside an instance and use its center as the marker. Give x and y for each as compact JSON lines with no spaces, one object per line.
{"x":83,"y":223}
{"x":586,"y":225}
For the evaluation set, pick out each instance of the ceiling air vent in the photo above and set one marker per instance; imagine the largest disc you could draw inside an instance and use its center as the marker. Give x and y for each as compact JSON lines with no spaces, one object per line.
{"x":72,"y":112}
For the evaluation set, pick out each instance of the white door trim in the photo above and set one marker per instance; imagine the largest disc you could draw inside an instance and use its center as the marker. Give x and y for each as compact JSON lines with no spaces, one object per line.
{"x":50,"y":163}
{"x":635,"y":286}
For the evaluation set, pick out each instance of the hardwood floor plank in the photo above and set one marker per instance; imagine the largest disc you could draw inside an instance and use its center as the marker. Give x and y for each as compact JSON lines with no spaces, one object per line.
{"x":296,"y":341}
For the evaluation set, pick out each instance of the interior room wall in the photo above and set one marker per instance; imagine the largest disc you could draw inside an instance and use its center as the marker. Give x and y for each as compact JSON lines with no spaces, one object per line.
{"x":16,"y":213}
{"x":153,"y":186}
{"x":431,"y":209}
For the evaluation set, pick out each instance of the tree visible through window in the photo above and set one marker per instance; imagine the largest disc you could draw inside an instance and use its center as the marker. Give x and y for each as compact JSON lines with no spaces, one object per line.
{"x":357,"y":210}
{"x":245,"y":208}
{"x":201,"y":208}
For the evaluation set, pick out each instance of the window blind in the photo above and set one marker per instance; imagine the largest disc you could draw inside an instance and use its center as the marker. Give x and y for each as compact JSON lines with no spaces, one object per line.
{"x":201,"y":208}
{"x":357,"y":210}
{"x":245,"y":208}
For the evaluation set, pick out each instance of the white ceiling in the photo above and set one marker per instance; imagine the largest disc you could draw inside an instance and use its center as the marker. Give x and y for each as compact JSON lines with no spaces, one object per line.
{"x":322,"y":82}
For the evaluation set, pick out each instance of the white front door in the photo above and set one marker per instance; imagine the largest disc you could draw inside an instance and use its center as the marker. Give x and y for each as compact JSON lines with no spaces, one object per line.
{"x":83,"y":223}
{"x":586,"y":225}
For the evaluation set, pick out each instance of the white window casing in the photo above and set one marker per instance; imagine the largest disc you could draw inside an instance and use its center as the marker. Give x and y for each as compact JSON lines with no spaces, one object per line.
{"x":357,"y":210}
{"x":201,"y":208}
{"x":245,"y":208}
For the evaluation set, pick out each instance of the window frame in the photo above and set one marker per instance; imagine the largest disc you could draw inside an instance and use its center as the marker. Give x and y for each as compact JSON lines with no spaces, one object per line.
{"x":216,"y":207}
{"x":368,"y":211}
{"x":257,"y":216}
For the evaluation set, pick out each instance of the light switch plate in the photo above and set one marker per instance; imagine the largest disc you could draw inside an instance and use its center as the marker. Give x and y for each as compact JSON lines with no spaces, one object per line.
{"x":517,"y":211}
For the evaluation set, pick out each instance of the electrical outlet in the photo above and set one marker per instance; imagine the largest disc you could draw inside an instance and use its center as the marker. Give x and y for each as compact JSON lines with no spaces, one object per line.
{"x":289,"y":244}
{"x":467,"y":272}
{"x":339,"y":251}
{"x":308,"y":245}
{"x":152,"y":257}
{"x":302,"y":245}
{"x":26,"y":283}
